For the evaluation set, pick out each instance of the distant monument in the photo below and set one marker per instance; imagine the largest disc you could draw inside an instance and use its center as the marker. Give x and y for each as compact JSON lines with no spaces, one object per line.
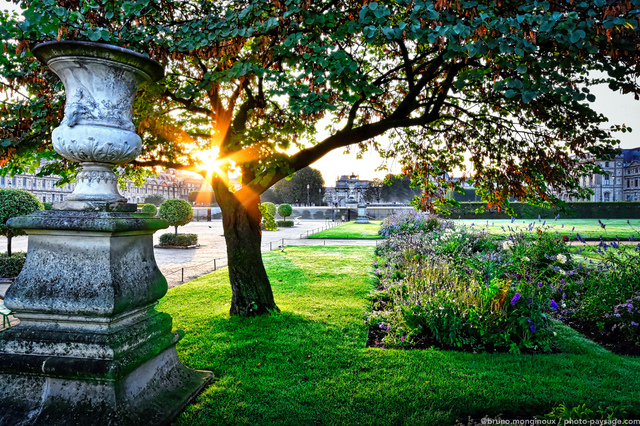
{"x":90,"y":348}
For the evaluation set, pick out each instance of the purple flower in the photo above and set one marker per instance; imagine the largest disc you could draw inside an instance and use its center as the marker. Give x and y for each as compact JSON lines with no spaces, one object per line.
{"x":533,"y":328}
{"x":634,"y":323}
{"x":515,"y":299}
{"x":540,"y":284}
{"x":553,"y":304}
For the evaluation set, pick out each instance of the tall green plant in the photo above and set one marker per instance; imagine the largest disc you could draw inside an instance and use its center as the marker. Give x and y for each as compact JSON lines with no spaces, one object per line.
{"x":176,"y":212}
{"x":15,"y":202}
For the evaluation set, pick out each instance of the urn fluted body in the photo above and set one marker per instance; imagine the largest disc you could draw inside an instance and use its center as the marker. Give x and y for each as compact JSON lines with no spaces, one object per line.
{"x":100,"y":83}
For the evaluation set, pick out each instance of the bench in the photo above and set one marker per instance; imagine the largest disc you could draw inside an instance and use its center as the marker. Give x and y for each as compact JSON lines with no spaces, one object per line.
{"x":5,"y":312}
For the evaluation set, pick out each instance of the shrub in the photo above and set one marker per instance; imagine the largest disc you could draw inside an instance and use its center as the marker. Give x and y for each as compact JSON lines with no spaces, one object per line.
{"x":411,"y":222}
{"x":46,"y":206}
{"x":176,"y":212}
{"x":11,"y":266}
{"x":271,"y":208}
{"x":268,"y":221}
{"x":285,"y":210}
{"x":183,"y":240}
{"x":15,"y":202}
{"x":149,"y":209}
{"x":284,"y":223}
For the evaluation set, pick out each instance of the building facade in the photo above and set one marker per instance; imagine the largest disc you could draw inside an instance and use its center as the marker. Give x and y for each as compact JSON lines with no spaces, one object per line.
{"x":169,"y":184}
{"x":622,"y":182}
{"x":348,"y":190}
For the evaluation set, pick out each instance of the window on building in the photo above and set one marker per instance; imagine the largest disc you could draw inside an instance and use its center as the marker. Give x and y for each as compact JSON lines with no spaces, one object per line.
{"x":636,"y":181}
{"x":607,"y":196}
{"x":606,"y":164}
{"x":53,"y":198}
{"x":606,"y":180}
{"x":628,"y":183}
{"x":2,"y":180}
{"x":24,"y":182}
{"x":13,"y":181}
{"x":44,"y":198}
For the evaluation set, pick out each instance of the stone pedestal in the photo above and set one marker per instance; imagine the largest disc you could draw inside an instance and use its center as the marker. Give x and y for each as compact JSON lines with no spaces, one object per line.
{"x":90,"y":347}
{"x":362,"y":214}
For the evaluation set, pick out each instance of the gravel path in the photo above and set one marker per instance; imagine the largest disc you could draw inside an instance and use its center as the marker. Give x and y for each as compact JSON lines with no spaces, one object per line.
{"x":182,"y":265}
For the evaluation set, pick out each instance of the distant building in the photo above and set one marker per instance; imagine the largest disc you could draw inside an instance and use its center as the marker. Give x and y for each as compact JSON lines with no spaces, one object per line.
{"x":169,"y":184}
{"x":348,"y":190}
{"x":622,"y":183}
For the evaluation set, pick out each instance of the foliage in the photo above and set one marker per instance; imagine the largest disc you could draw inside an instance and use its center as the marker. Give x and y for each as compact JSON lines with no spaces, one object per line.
{"x":309,"y":363}
{"x":268,"y":221}
{"x":184,"y":240}
{"x":271,"y":208}
{"x":269,"y":196}
{"x":155,"y":199}
{"x":583,"y":412}
{"x":46,"y":206}
{"x":176,"y":212}
{"x":408,"y":221}
{"x":202,"y":197}
{"x":10,"y":266}
{"x":285,"y":210}
{"x":285,"y":223}
{"x":15,"y":202}
{"x":294,"y":190}
{"x":249,"y":81}
{"x":149,"y":209}
{"x":581,"y":210}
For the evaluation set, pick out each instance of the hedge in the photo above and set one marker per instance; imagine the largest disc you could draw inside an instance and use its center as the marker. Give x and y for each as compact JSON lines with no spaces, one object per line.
{"x":11,"y":266}
{"x":578,"y":210}
{"x":183,"y":240}
{"x":285,"y":223}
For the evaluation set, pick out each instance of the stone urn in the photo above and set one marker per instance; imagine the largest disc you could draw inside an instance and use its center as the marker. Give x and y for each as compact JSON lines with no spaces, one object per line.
{"x":100,"y":82}
{"x":90,"y":347}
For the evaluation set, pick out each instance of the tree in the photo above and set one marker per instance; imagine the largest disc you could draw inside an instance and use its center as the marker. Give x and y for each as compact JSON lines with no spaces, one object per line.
{"x":398,"y":189}
{"x":285,"y":210}
{"x":506,"y":81}
{"x":295,"y":190}
{"x":176,"y":212}
{"x":15,"y":202}
{"x":373,"y":193}
{"x":270,"y":196}
{"x":267,"y":217}
{"x":155,"y":199}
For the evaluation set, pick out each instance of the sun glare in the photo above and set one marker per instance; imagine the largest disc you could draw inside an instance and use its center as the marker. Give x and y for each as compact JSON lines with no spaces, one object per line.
{"x":209,"y":161}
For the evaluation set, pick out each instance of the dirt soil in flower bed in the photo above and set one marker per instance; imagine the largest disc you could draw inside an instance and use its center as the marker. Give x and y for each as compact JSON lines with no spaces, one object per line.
{"x":611,"y":341}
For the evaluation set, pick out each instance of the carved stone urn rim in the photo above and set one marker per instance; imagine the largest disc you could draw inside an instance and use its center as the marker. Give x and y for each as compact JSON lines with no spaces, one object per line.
{"x":55,"y":49}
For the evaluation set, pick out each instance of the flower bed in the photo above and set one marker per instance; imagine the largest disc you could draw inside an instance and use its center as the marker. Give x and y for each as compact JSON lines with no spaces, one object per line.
{"x":460,"y":288}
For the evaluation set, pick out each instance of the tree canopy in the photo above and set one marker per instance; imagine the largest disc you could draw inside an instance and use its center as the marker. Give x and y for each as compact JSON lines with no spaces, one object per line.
{"x":295,"y":190}
{"x":15,"y":202}
{"x":176,"y":212}
{"x":506,"y":82}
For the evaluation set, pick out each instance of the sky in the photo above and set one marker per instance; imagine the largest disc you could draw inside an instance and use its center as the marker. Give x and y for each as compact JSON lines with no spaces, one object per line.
{"x":620,"y":109}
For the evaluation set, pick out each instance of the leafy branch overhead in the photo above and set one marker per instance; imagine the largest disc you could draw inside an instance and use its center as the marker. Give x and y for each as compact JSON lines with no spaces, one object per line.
{"x":506,"y":81}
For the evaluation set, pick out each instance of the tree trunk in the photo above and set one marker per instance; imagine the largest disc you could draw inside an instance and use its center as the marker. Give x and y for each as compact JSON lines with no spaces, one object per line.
{"x":9,"y":246}
{"x":250,"y":285}
{"x":176,"y":234}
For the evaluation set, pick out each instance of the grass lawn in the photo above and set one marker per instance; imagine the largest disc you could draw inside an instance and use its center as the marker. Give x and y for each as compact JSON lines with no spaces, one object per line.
{"x":309,"y":365}
{"x":352,"y":230}
{"x":587,"y":228}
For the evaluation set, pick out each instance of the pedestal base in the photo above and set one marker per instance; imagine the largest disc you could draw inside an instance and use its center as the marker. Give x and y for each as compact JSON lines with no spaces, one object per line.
{"x":153,"y":394}
{"x":90,"y":349}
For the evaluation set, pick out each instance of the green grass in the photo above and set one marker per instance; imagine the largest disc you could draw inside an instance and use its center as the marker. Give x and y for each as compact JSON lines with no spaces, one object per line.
{"x":309,"y":365}
{"x":352,"y":230}
{"x":587,"y":228}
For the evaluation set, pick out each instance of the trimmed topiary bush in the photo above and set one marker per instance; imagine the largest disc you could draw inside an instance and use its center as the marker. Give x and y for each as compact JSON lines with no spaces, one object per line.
{"x":47,"y":206}
{"x":176,"y":212}
{"x":10,"y":267}
{"x":183,"y":240}
{"x":285,"y":210}
{"x":15,"y":202}
{"x":149,"y":209}
{"x":285,"y":223}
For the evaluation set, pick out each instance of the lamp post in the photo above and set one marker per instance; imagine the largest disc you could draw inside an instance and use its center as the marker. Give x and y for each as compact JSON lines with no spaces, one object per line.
{"x":319,"y":196}
{"x":308,"y":204}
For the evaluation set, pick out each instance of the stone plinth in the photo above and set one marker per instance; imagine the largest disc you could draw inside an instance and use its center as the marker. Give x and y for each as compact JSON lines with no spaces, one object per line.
{"x":362,"y":214}
{"x":90,"y":347}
